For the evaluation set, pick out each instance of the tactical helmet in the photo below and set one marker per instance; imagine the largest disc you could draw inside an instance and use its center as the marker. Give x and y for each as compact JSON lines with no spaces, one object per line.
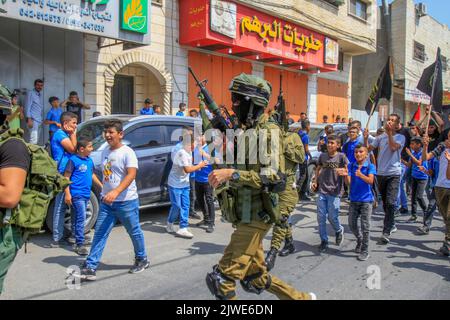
{"x":5,"y":96}
{"x":256,"y":88}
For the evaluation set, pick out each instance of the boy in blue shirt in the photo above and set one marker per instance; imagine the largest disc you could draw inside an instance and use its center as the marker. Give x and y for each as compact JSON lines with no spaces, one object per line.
{"x":433,"y":174}
{"x":80,"y":170}
{"x":182,"y":108}
{"x":53,"y":116}
{"x":361,"y":175}
{"x":203,"y":190}
{"x":419,"y":178}
{"x":147,"y":110}
{"x":63,"y":144}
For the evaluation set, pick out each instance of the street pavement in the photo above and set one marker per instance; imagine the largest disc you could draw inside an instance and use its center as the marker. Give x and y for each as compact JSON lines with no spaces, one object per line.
{"x":408,"y":268}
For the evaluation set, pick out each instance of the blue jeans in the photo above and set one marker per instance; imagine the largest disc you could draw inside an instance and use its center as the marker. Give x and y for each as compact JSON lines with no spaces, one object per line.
{"x":59,"y":212}
{"x":402,"y":199}
{"x":328,"y":207}
{"x":179,"y":198}
{"x":79,"y":206}
{"x":127,"y":212}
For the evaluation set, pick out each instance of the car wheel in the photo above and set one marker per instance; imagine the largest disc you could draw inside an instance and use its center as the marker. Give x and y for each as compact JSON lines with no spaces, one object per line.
{"x":91,"y":216}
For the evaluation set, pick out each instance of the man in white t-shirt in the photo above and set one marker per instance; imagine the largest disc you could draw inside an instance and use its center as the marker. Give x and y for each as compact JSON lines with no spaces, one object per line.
{"x":390,"y":145}
{"x":119,"y":201}
{"x":442,"y":188}
{"x":179,"y":186}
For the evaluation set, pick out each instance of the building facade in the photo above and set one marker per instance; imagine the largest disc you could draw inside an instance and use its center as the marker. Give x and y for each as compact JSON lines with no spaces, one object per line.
{"x":115,"y":68}
{"x":415,"y":37}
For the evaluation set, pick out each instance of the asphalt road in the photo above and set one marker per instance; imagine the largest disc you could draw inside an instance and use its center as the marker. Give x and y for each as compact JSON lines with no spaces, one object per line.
{"x":408,"y":268}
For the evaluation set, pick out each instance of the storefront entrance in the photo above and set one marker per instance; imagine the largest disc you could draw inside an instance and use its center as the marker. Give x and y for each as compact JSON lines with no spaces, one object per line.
{"x":123,"y":95}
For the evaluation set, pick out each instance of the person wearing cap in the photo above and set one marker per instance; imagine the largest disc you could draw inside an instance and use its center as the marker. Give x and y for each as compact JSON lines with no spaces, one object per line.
{"x":147,"y":110}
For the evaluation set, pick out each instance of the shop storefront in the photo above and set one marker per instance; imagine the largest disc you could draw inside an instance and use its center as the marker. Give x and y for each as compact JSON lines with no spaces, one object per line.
{"x":225,"y":38}
{"x":45,"y":39}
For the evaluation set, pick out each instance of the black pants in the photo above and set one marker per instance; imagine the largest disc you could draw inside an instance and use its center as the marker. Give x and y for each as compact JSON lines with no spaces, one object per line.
{"x":302,"y":184}
{"x":418,"y":196}
{"x":205,"y":198}
{"x":192,"y":196}
{"x":388,"y":186}
{"x":361,"y":210}
{"x":431,"y":195}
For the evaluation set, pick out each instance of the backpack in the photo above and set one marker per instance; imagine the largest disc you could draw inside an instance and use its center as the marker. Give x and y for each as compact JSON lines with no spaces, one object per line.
{"x":42,"y":184}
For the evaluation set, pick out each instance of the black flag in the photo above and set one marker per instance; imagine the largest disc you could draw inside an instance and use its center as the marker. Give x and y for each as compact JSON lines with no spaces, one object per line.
{"x":431,"y":83}
{"x":382,"y":89}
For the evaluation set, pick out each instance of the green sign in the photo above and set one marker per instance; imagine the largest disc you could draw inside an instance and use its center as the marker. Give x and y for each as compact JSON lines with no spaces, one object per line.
{"x":134,"y":15}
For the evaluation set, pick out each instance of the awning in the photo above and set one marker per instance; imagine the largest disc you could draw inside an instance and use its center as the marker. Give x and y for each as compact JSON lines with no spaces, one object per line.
{"x":230,"y":28}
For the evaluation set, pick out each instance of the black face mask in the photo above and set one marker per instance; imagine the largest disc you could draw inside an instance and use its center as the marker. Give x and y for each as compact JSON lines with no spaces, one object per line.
{"x":242,"y":109}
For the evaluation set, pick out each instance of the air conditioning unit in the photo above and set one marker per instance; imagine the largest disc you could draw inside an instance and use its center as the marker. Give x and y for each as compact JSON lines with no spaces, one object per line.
{"x":421,"y":9}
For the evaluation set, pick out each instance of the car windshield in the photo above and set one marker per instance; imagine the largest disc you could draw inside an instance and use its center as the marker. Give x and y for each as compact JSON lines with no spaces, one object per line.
{"x":93,"y":130}
{"x":314,"y":135}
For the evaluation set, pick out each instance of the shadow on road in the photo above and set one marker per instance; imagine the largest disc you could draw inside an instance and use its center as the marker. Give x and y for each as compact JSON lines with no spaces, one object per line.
{"x":428,"y":267}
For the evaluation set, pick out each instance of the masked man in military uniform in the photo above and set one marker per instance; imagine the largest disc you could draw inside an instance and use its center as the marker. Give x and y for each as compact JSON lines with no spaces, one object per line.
{"x":248,"y":196}
{"x":294,"y":154}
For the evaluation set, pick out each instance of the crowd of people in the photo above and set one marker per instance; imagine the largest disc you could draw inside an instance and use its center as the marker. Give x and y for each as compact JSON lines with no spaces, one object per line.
{"x":398,"y":162}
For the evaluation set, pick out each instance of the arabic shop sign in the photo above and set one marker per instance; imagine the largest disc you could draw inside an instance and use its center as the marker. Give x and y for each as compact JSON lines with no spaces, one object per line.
{"x":98,"y":17}
{"x":134,"y":15}
{"x":279,"y":31}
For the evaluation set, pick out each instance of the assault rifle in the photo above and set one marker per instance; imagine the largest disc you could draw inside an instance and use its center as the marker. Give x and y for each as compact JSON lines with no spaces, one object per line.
{"x":281,"y":108}
{"x":219,"y":121}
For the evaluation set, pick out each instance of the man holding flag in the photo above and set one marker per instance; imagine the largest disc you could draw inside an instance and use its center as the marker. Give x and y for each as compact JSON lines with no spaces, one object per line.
{"x":390,"y":145}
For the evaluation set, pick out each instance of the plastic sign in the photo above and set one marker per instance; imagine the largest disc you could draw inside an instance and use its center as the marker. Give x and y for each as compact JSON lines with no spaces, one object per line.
{"x":134,"y":16}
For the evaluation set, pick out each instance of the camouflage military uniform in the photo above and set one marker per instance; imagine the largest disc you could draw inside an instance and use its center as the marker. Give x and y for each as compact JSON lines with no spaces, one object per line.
{"x":243,"y":258}
{"x":294,"y":154}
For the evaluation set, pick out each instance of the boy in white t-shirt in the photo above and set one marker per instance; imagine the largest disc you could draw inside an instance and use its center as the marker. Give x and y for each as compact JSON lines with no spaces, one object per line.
{"x":119,"y":201}
{"x":179,"y":186}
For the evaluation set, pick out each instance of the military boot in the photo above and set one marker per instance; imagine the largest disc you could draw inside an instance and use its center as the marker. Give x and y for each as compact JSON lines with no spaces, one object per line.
{"x":289,"y":247}
{"x":270,"y":259}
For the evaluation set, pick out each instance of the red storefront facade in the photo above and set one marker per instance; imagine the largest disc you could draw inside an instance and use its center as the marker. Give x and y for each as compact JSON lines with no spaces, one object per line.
{"x":226,"y":38}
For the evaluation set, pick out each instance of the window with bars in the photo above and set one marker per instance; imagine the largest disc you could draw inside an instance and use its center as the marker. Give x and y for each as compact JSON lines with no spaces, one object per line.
{"x":444,"y":64}
{"x":419,"y":51}
{"x":341,"y":61}
{"x":358,"y":8}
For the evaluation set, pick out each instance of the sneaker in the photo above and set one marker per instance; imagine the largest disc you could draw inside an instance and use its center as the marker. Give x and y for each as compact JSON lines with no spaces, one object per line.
{"x":358,"y":247}
{"x":423,"y":230}
{"x":194,"y":215}
{"x":86,"y":274}
{"x":363,"y":256}
{"x":404,"y":210}
{"x":394,"y":229}
{"x":323,"y":246}
{"x":397,"y":213}
{"x":444,"y":250}
{"x":71,"y":240}
{"x":170,"y":228}
{"x":412,"y":219}
{"x":384,"y":239}
{"x":87,"y":240}
{"x":139,"y":266}
{"x":57,"y":244}
{"x":184,"y":233}
{"x":210,"y":228}
{"x":313,"y":296}
{"x":81,"y":250}
{"x":340,"y":237}
{"x":201,"y":223}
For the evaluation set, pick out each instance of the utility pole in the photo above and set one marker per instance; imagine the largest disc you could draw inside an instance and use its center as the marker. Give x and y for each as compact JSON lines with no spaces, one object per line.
{"x":388,"y":28}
